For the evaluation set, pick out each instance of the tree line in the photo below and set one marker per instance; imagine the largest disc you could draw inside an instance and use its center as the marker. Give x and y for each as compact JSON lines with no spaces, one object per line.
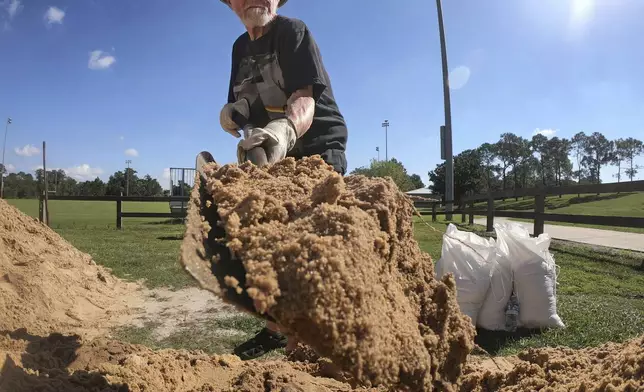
{"x":25,"y":185}
{"x":515,"y":162}
{"x":394,"y":169}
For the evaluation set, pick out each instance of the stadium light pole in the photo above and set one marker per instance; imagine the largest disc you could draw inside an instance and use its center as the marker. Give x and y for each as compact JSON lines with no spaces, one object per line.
{"x":386,"y":126}
{"x":449,"y":159}
{"x":4,"y":168}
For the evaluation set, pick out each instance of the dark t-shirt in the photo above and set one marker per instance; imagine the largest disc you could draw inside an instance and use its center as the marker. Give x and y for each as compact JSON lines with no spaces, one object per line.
{"x":268,"y":70}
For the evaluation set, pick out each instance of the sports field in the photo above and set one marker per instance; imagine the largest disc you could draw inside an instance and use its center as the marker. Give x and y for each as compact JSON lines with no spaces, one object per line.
{"x":600,"y":291}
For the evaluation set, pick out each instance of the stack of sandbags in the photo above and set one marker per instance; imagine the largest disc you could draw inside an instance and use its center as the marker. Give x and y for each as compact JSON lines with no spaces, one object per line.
{"x":471,"y":259}
{"x":487,"y":271}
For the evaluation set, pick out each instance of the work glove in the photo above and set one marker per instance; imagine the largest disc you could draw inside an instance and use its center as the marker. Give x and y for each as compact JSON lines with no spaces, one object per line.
{"x":226,"y":116}
{"x":277,"y":139}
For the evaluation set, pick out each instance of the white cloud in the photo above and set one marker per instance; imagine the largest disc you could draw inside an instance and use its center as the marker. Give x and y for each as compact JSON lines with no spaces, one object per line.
{"x":131,"y":152}
{"x":54,"y":15}
{"x":10,"y":168}
{"x":166,"y":173}
{"x":544,"y":132}
{"x":100,"y":60}
{"x":83,"y":172}
{"x":13,"y":7}
{"x":27,"y":151}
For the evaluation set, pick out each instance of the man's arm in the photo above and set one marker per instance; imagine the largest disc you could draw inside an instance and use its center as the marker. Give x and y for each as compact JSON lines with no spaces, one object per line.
{"x":300,"y":108}
{"x":304,"y":76}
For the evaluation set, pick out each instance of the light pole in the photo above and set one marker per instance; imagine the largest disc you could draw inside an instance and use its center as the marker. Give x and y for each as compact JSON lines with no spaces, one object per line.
{"x":449,"y":159}
{"x":386,"y":126}
{"x":378,"y":151}
{"x":4,"y":169}
{"x":127,"y":178}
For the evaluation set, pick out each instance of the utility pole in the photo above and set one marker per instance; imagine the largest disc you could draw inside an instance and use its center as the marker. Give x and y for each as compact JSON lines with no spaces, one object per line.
{"x":127,"y":178}
{"x":386,"y":126}
{"x":449,"y":159}
{"x":4,"y":168}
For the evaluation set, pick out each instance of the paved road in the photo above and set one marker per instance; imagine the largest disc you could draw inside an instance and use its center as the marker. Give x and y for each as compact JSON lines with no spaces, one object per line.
{"x":610,"y":238}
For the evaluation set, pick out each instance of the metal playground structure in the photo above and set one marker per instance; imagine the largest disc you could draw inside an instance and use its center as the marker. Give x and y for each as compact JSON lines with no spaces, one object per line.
{"x":182,"y":179}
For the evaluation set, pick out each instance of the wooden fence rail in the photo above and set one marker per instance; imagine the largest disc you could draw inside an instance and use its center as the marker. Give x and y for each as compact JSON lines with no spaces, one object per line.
{"x":538,"y":215}
{"x":119,"y":206}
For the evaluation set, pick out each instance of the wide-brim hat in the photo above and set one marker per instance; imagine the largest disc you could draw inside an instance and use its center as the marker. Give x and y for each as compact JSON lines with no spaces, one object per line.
{"x":281,"y":3}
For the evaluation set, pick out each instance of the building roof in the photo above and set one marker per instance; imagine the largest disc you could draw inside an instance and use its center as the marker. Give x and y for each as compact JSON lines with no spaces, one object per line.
{"x":420,"y":191}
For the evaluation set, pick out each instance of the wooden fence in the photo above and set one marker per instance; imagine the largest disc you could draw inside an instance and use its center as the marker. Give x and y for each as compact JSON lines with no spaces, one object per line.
{"x":44,"y":214}
{"x":466,"y":206}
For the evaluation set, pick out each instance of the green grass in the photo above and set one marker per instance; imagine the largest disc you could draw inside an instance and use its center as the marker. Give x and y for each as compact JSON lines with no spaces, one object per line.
{"x":614,"y":204}
{"x":89,"y":214}
{"x":600,"y":291}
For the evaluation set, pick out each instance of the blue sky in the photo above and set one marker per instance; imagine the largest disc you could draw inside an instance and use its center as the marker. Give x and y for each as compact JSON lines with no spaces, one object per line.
{"x":103,"y":81}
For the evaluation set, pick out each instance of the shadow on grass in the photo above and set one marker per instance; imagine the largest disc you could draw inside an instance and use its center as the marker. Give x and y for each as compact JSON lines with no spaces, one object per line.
{"x":173,"y":221}
{"x":171,"y":238}
{"x":596,"y":254}
{"x":495,"y":341}
{"x":45,"y":366}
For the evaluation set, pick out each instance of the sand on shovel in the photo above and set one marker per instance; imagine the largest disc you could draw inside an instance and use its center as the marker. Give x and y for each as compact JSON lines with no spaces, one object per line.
{"x":333,"y":259}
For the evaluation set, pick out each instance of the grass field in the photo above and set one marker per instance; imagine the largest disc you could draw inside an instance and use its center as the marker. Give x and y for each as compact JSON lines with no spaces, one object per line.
{"x":600,"y":291}
{"x":622,"y":204}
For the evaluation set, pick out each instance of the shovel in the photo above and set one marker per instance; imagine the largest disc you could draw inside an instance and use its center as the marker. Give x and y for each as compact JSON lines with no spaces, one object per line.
{"x":205,"y":256}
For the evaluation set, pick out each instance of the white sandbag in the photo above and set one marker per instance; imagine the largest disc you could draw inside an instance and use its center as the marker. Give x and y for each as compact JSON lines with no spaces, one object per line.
{"x":492,"y":313}
{"x":471,"y":259}
{"x":534,"y":272}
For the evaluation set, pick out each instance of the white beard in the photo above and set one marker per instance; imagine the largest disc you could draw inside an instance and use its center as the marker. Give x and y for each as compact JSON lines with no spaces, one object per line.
{"x":257,"y":17}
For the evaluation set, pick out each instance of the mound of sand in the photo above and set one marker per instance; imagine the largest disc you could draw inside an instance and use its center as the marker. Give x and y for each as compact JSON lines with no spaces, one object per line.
{"x":67,"y":363}
{"x":335,"y":262}
{"x":47,"y":285}
{"x":610,"y":367}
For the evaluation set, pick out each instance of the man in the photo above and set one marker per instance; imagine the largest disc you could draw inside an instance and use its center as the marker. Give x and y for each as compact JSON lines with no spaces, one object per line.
{"x":279,"y":84}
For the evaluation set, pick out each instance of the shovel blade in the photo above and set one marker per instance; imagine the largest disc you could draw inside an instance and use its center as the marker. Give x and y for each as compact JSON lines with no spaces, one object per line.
{"x":204,"y":254}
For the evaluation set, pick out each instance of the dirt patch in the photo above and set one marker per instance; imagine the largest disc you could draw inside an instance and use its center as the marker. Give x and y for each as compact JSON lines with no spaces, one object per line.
{"x":174,"y":311}
{"x":334,"y":260}
{"x":47,"y":285}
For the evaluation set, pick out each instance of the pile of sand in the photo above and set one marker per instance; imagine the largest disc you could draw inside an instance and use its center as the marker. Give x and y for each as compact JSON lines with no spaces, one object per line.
{"x":47,"y":285}
{"x":610,"y":367}
{"x":335,"y":262}
{"x":66,"y":363}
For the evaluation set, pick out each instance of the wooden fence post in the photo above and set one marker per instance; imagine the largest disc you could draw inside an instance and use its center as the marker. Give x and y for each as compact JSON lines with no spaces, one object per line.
{"x":434,"y":212}
{"x":41,"y":208}
{"x":44,"y":173}
{"x":461,"y":205}
{"x":119,"y":211}
{"x":490,"y":213}
{"x":539,"y":207}
{"x":471,"y":213}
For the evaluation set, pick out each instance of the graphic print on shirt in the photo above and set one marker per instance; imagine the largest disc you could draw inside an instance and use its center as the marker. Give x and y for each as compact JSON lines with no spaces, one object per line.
{"x":259,"y":79}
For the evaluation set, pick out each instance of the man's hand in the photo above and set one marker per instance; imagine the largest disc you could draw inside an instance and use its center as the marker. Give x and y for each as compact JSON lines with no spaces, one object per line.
{"x":277,"y":139}
{"x":226,"y":116}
